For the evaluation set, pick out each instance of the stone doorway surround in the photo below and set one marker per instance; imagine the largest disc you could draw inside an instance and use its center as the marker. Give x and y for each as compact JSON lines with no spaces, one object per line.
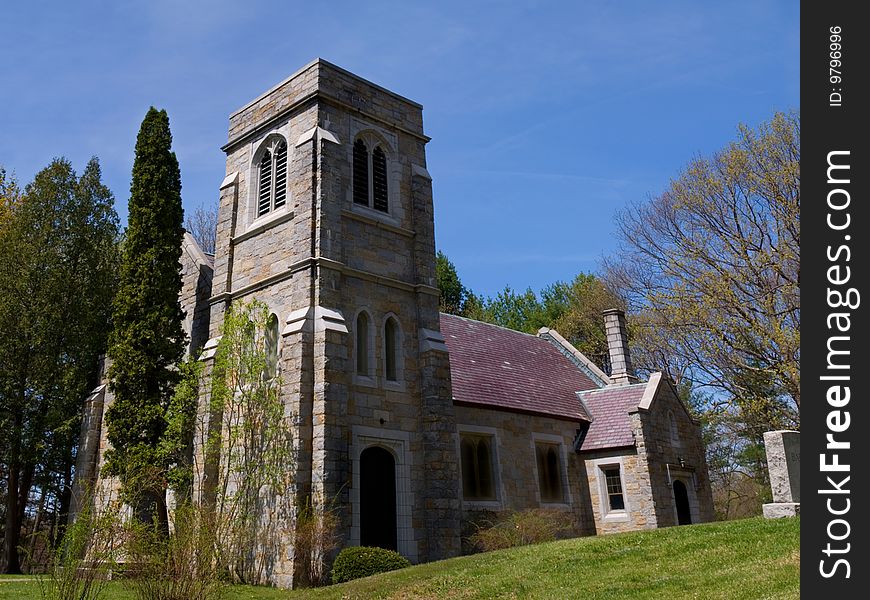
{"x":398,"y":444}
{"x":686,"y":476}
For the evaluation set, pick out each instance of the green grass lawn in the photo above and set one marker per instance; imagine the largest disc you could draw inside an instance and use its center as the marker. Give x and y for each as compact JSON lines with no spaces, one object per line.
{"x":753,"y":558}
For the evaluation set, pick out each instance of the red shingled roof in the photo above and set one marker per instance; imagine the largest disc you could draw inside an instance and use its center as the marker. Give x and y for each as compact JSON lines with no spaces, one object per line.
{"x":610,"y":406}
{"x":501,"y":368}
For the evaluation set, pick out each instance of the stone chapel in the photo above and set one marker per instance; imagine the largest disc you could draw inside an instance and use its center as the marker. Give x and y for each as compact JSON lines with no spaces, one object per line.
{"x":416,"y":422}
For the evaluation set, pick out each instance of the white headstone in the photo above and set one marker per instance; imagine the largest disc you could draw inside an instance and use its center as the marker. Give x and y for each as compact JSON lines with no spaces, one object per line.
{"x":783,"y":463}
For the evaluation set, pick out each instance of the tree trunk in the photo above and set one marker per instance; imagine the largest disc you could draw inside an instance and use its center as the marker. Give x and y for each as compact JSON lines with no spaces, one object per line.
{"x":65,"y":500}
{"x":13,"y":524}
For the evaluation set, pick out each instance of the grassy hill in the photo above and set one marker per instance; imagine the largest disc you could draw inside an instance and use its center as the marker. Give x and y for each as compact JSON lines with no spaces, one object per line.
{"x":752,"y":558}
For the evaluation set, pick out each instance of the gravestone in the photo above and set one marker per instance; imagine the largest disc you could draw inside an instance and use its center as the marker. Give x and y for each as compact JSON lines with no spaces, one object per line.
{"x":783,"y":462}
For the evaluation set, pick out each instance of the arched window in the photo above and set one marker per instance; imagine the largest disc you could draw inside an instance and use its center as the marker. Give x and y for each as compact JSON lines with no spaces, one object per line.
{"x":370,"y":177}
{"x":272,"y":181}
{"x":362,"y":344}
{"x":477,"y":479}
{"x":391,"y":349}
{"x":379,"y":180}
{"x":549,"y":473}
{"x":271,"y":347}
{"x":360,"y":173}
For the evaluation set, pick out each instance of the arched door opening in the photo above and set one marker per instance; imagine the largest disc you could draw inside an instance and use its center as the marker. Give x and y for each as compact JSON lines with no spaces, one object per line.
{"x":377,"y":498}
{"x":681,"y":498}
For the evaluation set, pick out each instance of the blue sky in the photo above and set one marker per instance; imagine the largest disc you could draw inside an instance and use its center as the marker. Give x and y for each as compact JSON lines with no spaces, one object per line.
{"x":546,"y":118}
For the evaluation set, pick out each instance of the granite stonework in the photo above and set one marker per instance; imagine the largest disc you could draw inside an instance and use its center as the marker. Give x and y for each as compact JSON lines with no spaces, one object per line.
{"x":321,"y":261}
{"x":783,"y":451}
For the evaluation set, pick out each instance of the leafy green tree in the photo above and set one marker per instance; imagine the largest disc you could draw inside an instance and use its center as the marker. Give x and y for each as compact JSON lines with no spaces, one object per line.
{"x":58,"y":264}
{"x":453,"y":293}
{"x":148,"y":341}
{"x":573,"y":309}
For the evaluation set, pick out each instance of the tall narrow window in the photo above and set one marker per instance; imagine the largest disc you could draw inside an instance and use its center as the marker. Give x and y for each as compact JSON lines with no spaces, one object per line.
{"x":362,"y":344}
{"x":360,"y":173}
{"x":549,"y":473}
{"x":379,"y":180}
{"x":391,"y":358}
{"x":271,"y":347}
{"x":477,"y":479}
{"x":370,"y":176}
{"x":613,"y":483}
{"x":272,"y":183}
{"x":280,"y":175}
{"x":264,"y":198}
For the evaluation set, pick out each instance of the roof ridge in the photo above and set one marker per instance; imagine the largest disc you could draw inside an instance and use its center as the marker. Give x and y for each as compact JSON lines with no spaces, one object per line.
{"x":611,"y":388}
{"x":531,"y":335}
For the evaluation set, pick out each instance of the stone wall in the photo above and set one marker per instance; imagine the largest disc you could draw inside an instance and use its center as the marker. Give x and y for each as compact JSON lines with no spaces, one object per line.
{"x":673,"y":450}
{"x":516,"y":470}
{"x":639,"y":512}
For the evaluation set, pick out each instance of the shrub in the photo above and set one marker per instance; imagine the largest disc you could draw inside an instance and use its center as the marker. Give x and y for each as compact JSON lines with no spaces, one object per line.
{"x":180,"y":566}
{"x":83,"y":561}
{"x":316,"y":538}
{"x":531,"y":526}
{"x":362,"y":561}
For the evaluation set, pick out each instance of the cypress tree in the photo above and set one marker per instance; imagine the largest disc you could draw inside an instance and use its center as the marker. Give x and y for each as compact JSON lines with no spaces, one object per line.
{"x":147,"y":342}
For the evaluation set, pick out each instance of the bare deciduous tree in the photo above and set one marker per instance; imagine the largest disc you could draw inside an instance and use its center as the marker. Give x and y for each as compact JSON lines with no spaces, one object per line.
{"x":202,"y":225}
{"x":711,"y":270}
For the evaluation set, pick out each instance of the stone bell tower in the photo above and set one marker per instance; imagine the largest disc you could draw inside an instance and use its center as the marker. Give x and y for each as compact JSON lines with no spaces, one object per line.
{"x":326,"y":216}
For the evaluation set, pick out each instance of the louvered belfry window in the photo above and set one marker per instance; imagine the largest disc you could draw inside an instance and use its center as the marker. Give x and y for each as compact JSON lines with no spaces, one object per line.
{"x":360,"y":173}
{"x":272,"y":185}
{"x":370,"y":177}
{"x":379,"y":180}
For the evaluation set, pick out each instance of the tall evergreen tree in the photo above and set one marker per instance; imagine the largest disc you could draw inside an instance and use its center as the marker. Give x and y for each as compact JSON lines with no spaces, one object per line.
{"x":147,"y":342}
{"x":58,"y":264}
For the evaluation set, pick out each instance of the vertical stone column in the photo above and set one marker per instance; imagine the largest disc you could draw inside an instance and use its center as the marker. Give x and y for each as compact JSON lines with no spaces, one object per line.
{"x":441,"y":506}
{"x":222,"y":277}
{"x":783,"y":450}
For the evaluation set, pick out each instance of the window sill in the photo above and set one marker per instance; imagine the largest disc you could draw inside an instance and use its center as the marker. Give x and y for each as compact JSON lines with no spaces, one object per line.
{"x":482,"y":504}
{"x":373,"y":216}
{"x":363,"y":381}
{"x":616,"y":516}
{"x":267,"y":221}
{"x":394,"y":386}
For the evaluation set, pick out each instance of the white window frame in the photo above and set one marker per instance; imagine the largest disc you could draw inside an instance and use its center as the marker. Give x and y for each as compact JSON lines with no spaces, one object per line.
{"x":608,"y":515}
{"x":481,"y":431}
{"x":559,"y":441}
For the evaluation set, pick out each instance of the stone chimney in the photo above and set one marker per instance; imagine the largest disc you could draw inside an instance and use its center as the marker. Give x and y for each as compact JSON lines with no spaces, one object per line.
{"x":621,"y":371}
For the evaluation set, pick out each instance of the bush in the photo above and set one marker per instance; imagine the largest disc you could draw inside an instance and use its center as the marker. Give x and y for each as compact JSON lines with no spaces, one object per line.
{"x":316,"y":538}
{"x":362,"y":561}
{"x":180,"y":566}
{"x":521,"y":528}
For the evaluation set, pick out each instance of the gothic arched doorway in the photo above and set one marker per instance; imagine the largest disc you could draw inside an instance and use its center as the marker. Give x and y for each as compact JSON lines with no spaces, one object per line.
{"x":681,"y":497}
{"x":377,"y":498}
